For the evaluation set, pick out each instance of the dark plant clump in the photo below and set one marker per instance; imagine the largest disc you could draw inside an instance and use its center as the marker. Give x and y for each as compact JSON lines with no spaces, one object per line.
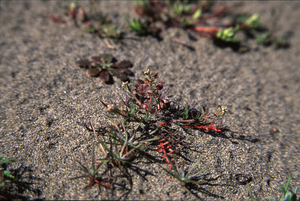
{"x":143,"y":126}
{"x":105,"y":66}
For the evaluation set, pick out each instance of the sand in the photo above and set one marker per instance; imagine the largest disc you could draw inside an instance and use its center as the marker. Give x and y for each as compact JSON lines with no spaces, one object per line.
{"x":45,"y":101}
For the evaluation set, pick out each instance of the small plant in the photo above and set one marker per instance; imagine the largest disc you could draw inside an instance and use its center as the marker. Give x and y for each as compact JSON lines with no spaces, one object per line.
{"x":183,"y":176}
{"x":138,"y":27}
{"x":287,"y":193}
{"x":252,"y":22}
{"x":93,"y":175}
{"x":227,"y":35}
{"x":105,"y":66}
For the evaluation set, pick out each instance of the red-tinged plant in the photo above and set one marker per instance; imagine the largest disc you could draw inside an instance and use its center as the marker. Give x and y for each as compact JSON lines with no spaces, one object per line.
{"x":170,"y":143}
{"x":93,"y":175}
{"x":105,"y":66}
{"x":148,"y":94}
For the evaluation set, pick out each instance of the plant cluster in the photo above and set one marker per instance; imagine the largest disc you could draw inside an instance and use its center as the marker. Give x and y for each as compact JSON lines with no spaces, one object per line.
{"x":191,"y":15}
{"x":105,"y":66}
{"x":146,"y":125}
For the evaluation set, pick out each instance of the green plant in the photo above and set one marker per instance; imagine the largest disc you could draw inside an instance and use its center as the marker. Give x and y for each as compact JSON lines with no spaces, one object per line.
{"x":252,"y":22}
{"x":138,"y":27}
{"x":287,"y":194}
{"x":111,"y":31}
{"x":227,"y":35}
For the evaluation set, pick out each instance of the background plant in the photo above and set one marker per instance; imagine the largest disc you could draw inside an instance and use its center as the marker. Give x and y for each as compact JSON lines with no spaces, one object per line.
{"x":191,"y":15}
{"x":288,"y":194}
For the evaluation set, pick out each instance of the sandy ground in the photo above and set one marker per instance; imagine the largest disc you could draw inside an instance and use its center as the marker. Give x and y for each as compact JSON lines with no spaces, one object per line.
{"x":45,"y":100}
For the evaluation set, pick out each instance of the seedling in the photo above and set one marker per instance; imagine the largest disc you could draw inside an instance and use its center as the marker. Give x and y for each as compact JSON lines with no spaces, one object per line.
{"x":138,"y":27}
{"x":252,"y":22}
{"x":183,"y":176}
{"x":93,"y":175}
{"x":227,"y":35}
{"x":105,"y":66}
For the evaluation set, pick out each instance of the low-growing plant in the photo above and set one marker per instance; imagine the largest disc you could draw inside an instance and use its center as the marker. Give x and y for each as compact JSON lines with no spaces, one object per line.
{"x":105,"y":66}
{"x":183,"y":176}
{"x":94,"y":176}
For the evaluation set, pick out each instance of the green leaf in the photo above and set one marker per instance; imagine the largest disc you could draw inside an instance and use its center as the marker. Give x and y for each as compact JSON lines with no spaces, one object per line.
{"x":197,"y":14}
{"x":138,"y":27}
{"x":132,"y":110}
{"x":250,"y":192}
{"x":193,"y":167}
{"x":6,"y":160}
{"x":270,"y":198}
{"x":185,"y":113}
{"x":8,"y":174}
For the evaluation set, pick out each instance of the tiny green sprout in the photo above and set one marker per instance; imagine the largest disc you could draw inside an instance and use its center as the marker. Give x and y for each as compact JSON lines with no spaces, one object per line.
{"x":253,"y":21}
{"x":264,"y":38}
{"x":111,"y":31}
{"x":138,"y":27}
{"x":227,"y":35}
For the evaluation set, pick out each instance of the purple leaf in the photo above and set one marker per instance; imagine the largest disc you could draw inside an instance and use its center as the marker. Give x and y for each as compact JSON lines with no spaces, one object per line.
{"x":105,"y":76}
{"x":84,"y":63}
